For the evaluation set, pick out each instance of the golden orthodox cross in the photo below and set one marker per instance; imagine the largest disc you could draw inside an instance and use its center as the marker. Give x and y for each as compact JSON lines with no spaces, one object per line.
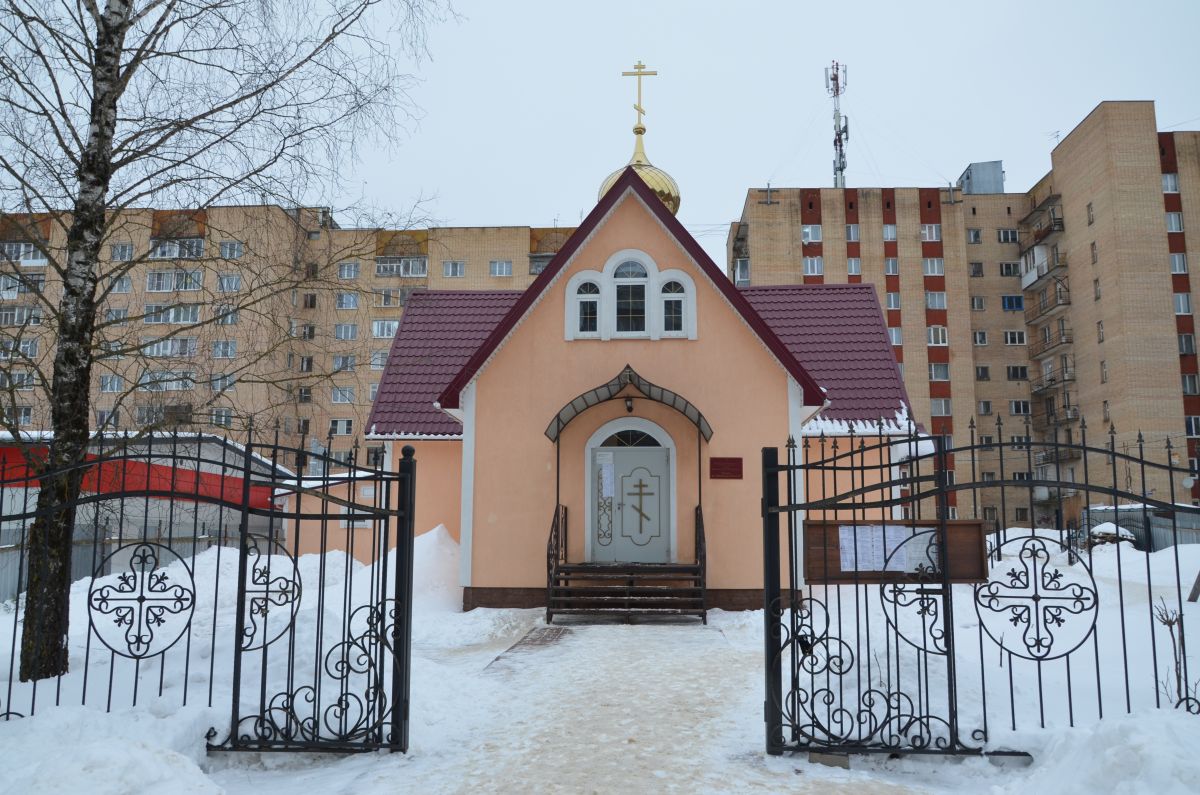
{"x":639,"y":71}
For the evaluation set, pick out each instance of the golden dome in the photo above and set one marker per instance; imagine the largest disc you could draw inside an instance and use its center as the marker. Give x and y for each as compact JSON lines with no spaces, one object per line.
{"x":659,"y":181}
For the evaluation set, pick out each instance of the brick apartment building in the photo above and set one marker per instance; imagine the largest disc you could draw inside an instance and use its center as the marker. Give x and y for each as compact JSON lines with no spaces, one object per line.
{"x":1067,"y":303}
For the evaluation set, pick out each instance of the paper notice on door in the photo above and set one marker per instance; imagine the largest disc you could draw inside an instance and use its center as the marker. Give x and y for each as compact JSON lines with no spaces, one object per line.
{"x":873,"y":547}
{"x":604,"y":462}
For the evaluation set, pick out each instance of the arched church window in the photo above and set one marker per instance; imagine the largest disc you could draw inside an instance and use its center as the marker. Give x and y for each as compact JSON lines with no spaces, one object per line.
{"x":673,"y":297}
{"x":631,"y":297}
{"x":588,"y":297}
{"x":631,"y":439}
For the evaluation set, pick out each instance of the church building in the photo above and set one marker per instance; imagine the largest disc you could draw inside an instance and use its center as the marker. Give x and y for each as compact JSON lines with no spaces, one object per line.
{"x":593,"y":442}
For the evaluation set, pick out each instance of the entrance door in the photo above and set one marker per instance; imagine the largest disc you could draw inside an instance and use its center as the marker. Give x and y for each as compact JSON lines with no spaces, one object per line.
{"x":631,"y":502}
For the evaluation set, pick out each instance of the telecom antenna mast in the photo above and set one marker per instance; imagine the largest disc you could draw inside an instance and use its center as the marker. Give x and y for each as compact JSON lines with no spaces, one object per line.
{"x":835,"y":86}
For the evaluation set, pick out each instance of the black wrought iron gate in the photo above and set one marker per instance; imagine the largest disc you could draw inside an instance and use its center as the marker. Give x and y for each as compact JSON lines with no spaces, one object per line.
{"x":332,"y":676}
{"x":910,"y":612}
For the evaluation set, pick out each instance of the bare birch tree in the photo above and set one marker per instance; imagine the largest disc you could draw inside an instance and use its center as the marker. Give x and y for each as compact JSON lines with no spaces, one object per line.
{"x":110,"y":106}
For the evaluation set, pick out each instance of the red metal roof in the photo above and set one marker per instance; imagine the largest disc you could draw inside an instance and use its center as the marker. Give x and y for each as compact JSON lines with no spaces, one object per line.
{"x":629,"y":180}
{"x":838,"y":332}
{"x":438,"y":333}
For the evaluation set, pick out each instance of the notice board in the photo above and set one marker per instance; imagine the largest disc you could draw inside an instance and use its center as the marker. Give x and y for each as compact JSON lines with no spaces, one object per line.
{"x":839,"y":552}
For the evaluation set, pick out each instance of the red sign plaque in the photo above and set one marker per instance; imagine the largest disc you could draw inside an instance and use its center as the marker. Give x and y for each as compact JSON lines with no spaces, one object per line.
{"x":725,"y":468}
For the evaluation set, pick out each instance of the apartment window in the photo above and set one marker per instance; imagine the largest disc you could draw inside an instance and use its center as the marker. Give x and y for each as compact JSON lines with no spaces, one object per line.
{"x":814,"y":266}
{"x":895,"y":336}
{"x":1019,"y":442}
{"x":312,"y":270}
{"x":310,"y":300}
{"x":810,"y":233}
{"x":454,"y":269}
{"x":1187,"y":344}
{"x":931,"y":233}
{"x":18,"y":415}
{"x":185,"y":248}
{"x":226,"y":315}
{"x":1014,"y":338}
{"x":936,"y":335}
{"x":984,"y":408}
{"x":343,"y":362}
{"x":1091,"y":215}
{"x":935,"y":300}
{"x":853,"y":266}
{"x":1018,"y":372}
{"x":117,"y":316}
{"x":975,"y":269}
{"x":343,"y":394}
{"x":349,"y":269}
{"x":172,"y":347}
{"x":306,"y":364}
{"x":933,"y":266}
{"x":229,"y":282}
{"x":1170,"y":183}
{"x":379,"y":359}
{"x":304,"y":394}
{"x":177,"y":314}
{"x":384,"y":329}
{"x":222,"y":417}
{"x":408,"y":267}
{"x":166,"y":381}
{"x":1191,"y":384}
{"x":222,"y":382}
{"x":1010,"y":269}
{"x":1103,"y":371}
{"x":939,"y":407}
{"x":108,"y":417}
{"x":939,"y":371}
{"x":500,"y":267}
{"x":1012,"y":303}
{"x":20,"y":316}
{"x":374,"y":391}
{"x":120,"y":284}
{"x":893,"y":300}
{"x":1095,"y":289}
{"x":390,"y":296}
{"x":978,"y":303}
{"x":1099,"y":331}
{"x":1183,"y":303}
{"x":224,"y":349}
{"x":1021,"y":514}
{"x":891,"y":266}
{"x":347,"y":301}
{"x":851,"y":233}
{"x":889,"y":232}
{"x":1095,"y":253}
{"x":983,"y":372}
{"x":979,"y":338}
{"x":1174,"y":222}
{"x":1018,"y":408}
{"x":341,"y":427}
{"x":174,"y":281}
{"x":741,"y":272}
{"x":112,"y":383}
{"x":974,"y":236}
{"x":1179,"y":263}
{"x":1193,"y":425}
{"x":986,"y":441}
{"x":1006,"y":235}
{"x":345,"y":331}
{"x":232,"y":249}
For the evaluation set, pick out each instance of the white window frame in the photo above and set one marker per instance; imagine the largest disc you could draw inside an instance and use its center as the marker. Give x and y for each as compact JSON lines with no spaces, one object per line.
{"x":346,"y":300}
{"x":1170,"y":183}
{"x":939,"y":371}
{"x":814,"y":266}
{"x":974,"y":236}
{"x":893,"y":301}
{"x":349,"y":269}
{"x":852,"y":233}
{"x":1008,"y":235}
{"x":1179,"y":263}
{"x":500,"y":268}
{"x":384,"y":328}
{"x":1174,"y":222}
{"x":889,"y":233}
{"x":232,"y":249}
{"x":933,"y":266}
{"x":404,"y":267}
{"x":379,"y":359}
{"x":120,"y":252}
{"x":979,"y":338}
{"x":1014,"y":337}
{"x":978,"y":303}
{"x":341,"y":394}
{"x":891,"y":266}
{"x":221,"y":417}
{"x":935,"y":299}
{"x":741,"y":271}
{"x":937,"y":336}
{"x":454,"y":268}
{"x":345,"y":331}
{"x":810,"y":233}
{"x":224,"y":349}
{"x":1183,"y":303}
{"x":895,"y":335}
{"x":854,"y":266}
{"x":607,"y":300}
{"x":940,"y":407}
{"x":1018,"y":408}
{"x":931,"y":233}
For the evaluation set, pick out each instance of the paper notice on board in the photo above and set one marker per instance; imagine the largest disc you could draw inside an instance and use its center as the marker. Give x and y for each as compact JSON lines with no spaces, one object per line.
{"x":604,"y":461}
{"x":873,"y":547}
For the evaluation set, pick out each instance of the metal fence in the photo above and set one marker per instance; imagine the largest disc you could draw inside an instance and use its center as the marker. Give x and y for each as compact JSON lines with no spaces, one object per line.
{"x":210,"y":572}
{"x":901,"y":618}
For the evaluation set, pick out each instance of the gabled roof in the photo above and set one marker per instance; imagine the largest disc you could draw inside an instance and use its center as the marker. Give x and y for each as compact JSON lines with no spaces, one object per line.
{"x":838,"y":332}
{"x":438,"y":333}
{"x":630,"y":181}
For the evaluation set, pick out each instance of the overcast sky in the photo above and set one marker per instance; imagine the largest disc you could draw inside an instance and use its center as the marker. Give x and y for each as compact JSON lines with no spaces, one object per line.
{"x":524,"y":110}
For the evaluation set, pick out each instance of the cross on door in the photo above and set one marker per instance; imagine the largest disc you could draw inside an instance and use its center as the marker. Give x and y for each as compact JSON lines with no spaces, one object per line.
{"x":639,"y":491}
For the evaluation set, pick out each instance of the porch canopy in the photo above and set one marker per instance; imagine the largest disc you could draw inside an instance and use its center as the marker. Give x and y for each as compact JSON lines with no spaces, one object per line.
{"x":611,"y":390}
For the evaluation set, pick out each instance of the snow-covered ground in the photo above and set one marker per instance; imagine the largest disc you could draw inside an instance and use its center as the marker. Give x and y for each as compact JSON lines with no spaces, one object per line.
{"x":653,"y":707}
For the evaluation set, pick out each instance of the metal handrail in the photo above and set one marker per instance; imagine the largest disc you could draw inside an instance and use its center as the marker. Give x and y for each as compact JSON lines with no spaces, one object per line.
{"x":556,"y":553}
{"x":702,"y":561}
{"x":1056,"y":339}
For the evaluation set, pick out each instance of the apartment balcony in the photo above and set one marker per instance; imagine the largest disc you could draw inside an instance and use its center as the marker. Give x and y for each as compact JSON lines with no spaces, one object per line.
{"x":1044,"y":273}
{"x":1053,"y":456}
{"x":1057,"y":340}
{"x":1062,"y":415}
{"x":1062,"y":375}
{"x":1046,"y":306}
